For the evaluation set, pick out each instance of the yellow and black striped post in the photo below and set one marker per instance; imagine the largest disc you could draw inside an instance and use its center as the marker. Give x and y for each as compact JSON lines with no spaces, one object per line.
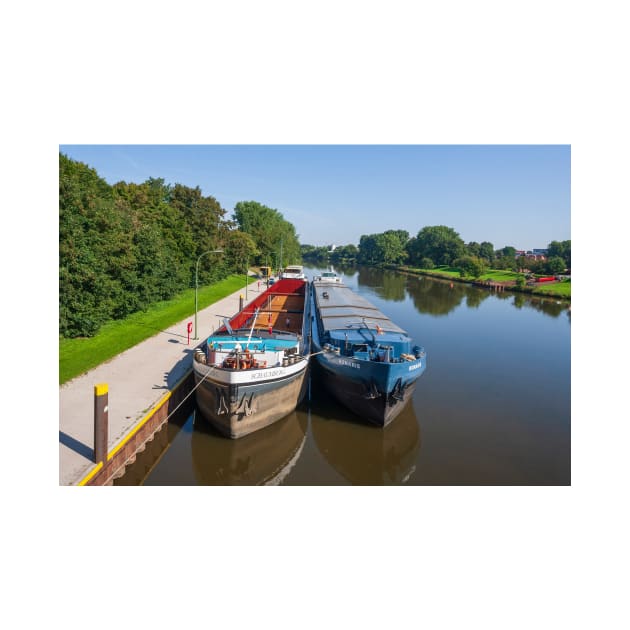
{"x":101,"y":409}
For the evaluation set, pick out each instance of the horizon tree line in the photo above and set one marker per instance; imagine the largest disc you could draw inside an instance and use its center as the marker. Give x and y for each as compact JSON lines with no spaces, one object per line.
{"x":440,"y":245}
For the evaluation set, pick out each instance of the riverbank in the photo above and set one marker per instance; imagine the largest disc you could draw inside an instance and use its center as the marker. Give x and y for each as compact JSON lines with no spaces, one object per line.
{"x":77,"y":356}
{"x":492,"y":279}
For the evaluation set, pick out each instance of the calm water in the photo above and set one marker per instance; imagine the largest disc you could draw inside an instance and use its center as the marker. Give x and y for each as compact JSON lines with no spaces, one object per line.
{"x":493,"y":406}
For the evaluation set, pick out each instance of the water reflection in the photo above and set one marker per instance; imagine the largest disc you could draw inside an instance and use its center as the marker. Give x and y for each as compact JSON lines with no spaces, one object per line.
{"x":553,"y":308}
{"x":261,"y":458}
{"x":438,"y":297}
{"x":343,"y":269}
{"x":362,"y":454}
{"x":389,"y":285}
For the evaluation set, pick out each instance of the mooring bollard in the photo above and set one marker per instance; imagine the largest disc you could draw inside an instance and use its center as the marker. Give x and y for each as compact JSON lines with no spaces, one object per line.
{"x":101,"y":413}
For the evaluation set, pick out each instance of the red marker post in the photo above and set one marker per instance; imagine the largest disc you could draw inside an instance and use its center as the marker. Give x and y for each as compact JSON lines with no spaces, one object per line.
{"x":189,"y":331}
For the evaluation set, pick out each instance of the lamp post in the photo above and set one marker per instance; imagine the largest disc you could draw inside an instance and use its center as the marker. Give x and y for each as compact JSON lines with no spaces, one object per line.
{"x":246,"y":277}
{"x":210,"y":251}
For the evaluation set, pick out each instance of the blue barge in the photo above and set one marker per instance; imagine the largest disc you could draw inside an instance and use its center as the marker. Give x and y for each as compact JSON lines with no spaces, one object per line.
{"x":366,"y":361}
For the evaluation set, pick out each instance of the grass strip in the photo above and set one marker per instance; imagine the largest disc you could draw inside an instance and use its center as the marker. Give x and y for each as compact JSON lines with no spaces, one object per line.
{"x":77,"y":356}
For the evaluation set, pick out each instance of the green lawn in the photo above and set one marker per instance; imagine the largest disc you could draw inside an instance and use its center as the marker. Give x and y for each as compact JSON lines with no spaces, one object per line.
{"x":497,"y":275}
{"x":500,"y":275}
{"x":562,"y":289}
{"x":443,"y":271}
{"x":77,"y":356}
{"x":558,"y":289}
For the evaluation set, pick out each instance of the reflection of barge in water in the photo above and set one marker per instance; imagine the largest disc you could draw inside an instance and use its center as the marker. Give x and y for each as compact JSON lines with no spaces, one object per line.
{"x":263,"y":458}
{"x":366,"y":360}
{"x":365,"y":455}
{"x":252,"y":371}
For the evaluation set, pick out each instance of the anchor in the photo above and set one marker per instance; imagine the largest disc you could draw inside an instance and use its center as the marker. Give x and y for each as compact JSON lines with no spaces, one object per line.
{"x":372,"y":391}
{"x":246,"y":407}
{"x":221,"y":404}
{"x":396,"y":395}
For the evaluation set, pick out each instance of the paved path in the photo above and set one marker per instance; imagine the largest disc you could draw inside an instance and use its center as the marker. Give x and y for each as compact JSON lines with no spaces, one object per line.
{"x":137,"y":379}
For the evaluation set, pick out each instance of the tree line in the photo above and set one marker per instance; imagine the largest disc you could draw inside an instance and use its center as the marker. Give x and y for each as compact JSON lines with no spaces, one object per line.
{"x":125,"y":246}
{"x":440,"y":245}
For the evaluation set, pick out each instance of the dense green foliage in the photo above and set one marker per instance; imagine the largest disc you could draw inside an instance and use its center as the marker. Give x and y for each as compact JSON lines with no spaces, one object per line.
{"x":441,"y":246}
{"x":387,"y":247}
{"x":125,"y":247}
{"x":472,"y":266}
{"x":323,"y":254}
{"x":439,"y":243}
{"x":274,"y":236}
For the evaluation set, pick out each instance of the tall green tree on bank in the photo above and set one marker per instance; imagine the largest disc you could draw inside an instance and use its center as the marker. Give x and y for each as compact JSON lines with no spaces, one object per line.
{"x":96,"y":252}
{"x":126,"y":246}
{"x":561,"y":249}
{"x":439,"y":243}
{"x":385,"y":247}
{"x":273,"y":234}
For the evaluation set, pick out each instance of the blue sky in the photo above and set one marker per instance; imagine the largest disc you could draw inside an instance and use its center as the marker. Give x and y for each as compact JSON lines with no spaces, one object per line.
{"x":505,"y":194}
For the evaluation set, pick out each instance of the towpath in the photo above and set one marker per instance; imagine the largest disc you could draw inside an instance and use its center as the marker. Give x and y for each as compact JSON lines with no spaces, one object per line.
{"x":137,"y":379}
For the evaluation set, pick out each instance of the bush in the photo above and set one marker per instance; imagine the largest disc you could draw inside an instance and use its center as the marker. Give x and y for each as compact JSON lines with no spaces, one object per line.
{"x":426,"y":263}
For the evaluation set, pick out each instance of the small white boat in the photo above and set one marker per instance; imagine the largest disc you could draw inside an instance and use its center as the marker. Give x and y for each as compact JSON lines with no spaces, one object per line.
{"x":295,"y":272}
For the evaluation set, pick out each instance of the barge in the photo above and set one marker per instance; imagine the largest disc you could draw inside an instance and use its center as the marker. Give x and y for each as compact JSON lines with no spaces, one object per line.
{"x":368,"y":363}
{"x":252,"y":371}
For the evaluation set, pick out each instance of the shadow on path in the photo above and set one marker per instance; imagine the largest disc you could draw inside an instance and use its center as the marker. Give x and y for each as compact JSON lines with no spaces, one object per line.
{"x":76,"y":446}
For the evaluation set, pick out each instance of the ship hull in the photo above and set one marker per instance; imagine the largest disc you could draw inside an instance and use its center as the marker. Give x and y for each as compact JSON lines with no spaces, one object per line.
{"x":370,"y":405}
{"x":236,"y":409}
{"x":365,"y":360}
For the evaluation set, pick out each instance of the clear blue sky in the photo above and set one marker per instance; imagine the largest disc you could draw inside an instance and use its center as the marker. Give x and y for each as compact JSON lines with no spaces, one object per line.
{"x":508,"y":195}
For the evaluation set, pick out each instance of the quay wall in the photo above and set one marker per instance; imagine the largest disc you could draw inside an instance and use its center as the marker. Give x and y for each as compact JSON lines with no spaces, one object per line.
{"x":124,"y":453}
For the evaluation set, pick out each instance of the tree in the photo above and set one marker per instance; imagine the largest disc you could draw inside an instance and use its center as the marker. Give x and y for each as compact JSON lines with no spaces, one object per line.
{"x":439,"y":243}
{"x":555,"y":265}
{"x":385,"y":247}
{"x":240,"y":249}
{"x":273,"y":235}
{"x":473,"y":248}
{"x":486,"y":250}
{"x":470,"y":266}
{"x":561,"y":249}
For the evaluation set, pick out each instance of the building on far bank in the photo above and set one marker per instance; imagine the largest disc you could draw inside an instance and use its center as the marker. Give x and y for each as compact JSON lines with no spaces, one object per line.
{"x":532,"y":254}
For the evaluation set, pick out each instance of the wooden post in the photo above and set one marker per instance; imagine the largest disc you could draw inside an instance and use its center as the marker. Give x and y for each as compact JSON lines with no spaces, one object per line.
{"x":240,"y":302}
{"x":101,"y":415}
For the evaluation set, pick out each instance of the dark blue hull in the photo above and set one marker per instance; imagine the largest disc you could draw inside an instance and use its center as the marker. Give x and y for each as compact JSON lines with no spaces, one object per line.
{"x":364,"y":359}
{"x":363,"y":397}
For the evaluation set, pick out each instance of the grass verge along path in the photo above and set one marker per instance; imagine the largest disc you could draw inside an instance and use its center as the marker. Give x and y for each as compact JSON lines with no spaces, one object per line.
{"x":77,"y":356}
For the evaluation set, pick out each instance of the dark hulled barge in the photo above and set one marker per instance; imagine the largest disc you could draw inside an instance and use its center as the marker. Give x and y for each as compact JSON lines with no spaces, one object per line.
{"x":366,"y":361}
{"x":252,"y":371}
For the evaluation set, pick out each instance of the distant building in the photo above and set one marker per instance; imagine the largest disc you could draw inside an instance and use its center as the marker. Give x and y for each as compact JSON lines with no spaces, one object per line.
{"x":532,"y":254}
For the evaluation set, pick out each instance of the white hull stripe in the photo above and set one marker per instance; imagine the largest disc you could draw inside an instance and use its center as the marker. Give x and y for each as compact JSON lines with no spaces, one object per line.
{"x":256,"y":375}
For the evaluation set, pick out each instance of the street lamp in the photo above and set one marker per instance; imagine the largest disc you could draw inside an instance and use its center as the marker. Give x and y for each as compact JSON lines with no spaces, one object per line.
{"x":210,"y":251}
{"x":246,"y":277}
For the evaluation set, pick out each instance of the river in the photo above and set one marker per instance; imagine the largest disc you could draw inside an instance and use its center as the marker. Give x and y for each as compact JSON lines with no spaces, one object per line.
{"x":492,"y":408}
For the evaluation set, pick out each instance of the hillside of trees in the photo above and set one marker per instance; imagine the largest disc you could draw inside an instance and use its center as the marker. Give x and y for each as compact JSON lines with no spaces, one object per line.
{"x":125,"y":246}
{"x":440,"y":245}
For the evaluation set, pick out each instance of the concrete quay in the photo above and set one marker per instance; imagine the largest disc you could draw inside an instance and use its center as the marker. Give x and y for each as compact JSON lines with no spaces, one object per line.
{"x":139,"y":381}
